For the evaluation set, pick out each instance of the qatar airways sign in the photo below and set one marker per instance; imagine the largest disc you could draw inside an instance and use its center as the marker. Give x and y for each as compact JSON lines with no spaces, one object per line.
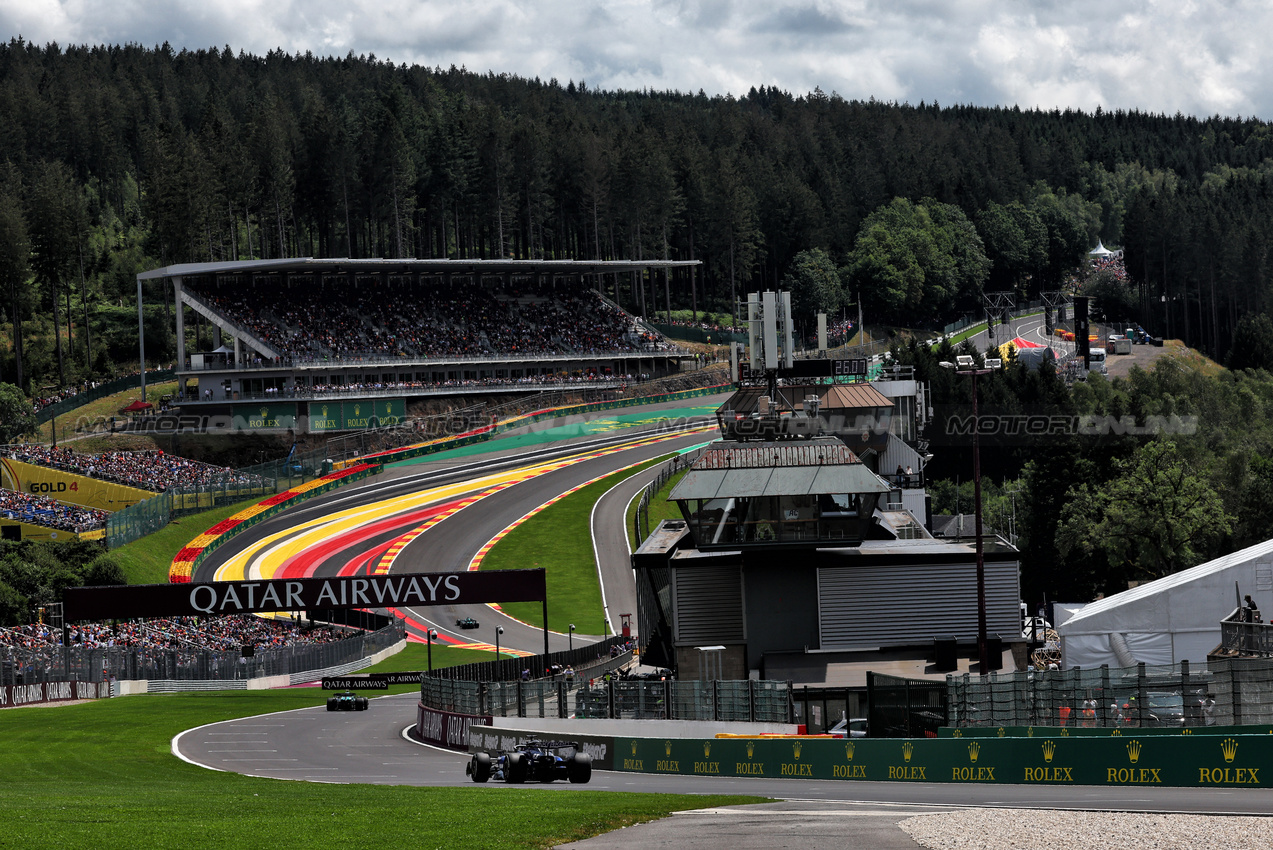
{"x":216,"y":599}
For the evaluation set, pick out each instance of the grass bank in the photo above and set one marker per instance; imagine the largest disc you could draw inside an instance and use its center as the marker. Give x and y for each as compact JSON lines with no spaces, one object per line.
{"x":559,"y":539}
{"x":101,"y":774}
{"x":146,"y":561}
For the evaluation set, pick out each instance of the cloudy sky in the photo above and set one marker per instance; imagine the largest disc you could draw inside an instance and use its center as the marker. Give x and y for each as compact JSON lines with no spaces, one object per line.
{"x":1199,"y":57}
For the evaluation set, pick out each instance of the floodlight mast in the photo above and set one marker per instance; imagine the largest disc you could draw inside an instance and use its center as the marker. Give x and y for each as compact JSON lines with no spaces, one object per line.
{"x":966,"y":366}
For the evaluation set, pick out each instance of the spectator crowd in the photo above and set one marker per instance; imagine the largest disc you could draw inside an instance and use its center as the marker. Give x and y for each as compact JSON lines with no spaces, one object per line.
{"x":212,"y":633}
{"x":155,"y":471}
{"x":335,"y":321}
{"x":41,"y":510}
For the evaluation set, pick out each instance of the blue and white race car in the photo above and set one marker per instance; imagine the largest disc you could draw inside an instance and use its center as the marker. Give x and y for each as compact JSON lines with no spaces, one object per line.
{"x":533,"y":761}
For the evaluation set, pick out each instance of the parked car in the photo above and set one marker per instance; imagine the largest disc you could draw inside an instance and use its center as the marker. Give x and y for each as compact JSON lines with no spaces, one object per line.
{"x":1163,"y":708}
{"x":533,"y":761}
{"x":852,"y":727}
{"x":467,"y":623}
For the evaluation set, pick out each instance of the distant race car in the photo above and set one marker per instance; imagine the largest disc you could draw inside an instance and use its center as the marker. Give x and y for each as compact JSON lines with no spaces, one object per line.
{"x":533,"y":761}
{"x":467,"y":623}
{"x":346,"y":701}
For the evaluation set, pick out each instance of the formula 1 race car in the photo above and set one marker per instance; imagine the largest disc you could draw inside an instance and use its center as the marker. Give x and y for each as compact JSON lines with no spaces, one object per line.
{"x":467,"y":623}
{"x":346,"y":701}
{"x":533,"y":761}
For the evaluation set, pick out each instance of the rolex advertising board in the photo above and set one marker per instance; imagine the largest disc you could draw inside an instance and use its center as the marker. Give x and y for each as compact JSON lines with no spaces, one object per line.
{"x":1180,"y":761}
{"x":265,"y":416}
{"x":325,"y":416}
{"x":373,"y":413}
{"x":355,"y":415}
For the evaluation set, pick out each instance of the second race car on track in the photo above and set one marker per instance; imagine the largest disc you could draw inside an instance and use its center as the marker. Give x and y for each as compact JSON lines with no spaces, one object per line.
{"x":346,"y":701}
{"x":533,"y":761}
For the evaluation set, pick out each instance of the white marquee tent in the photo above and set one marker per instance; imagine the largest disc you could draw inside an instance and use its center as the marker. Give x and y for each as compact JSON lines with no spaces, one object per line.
{"x":1170,"y":620}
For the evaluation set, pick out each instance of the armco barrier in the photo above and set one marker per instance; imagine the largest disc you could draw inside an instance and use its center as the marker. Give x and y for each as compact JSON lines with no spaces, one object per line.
{"x":1186,"y":761}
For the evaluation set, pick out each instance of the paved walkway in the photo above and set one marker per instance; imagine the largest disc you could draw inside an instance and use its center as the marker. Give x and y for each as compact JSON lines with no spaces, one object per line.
{"x":770,"y":826}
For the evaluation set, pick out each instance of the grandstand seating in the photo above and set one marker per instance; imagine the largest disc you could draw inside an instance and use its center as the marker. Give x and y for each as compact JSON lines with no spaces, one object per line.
{"x":43,"y":511}
{"x":334,"y":321}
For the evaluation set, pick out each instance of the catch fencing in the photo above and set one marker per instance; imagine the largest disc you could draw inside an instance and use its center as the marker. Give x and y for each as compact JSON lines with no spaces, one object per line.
{"x":1225,"y":692}
{"x":637,"y":699}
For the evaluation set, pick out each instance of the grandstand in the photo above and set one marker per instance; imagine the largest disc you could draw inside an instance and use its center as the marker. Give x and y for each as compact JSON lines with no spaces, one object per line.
{"x":285,"y":333}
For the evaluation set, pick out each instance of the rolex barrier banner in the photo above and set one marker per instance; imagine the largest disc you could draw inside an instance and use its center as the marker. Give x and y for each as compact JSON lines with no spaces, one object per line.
{"x":266,"y":416}
{"x":1241,"y":760}
{"x":68,"y":487}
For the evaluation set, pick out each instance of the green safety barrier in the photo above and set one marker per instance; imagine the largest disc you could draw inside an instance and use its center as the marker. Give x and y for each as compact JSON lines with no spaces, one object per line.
{"x":589,"y":407}
{"x":1189,"y":761}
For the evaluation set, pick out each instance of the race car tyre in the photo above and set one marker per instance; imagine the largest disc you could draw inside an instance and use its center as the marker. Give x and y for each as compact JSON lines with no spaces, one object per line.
{"x":330,"y":706}
{"x":360,"y":705}
{"x":515,"y":769}
{"x":480,"y":767}
{"x":579,"y":768}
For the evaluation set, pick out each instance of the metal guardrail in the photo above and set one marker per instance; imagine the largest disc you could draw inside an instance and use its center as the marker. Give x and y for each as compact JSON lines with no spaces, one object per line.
{"x":1240,"y":636}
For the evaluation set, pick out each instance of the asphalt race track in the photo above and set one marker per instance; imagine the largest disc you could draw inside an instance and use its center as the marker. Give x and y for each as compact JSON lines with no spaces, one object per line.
{"x":400,"y":508}
{"x":372,"y":747}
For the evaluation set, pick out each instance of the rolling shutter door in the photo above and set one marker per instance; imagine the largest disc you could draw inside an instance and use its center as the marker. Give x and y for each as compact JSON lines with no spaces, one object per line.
{"x":708,"y":605}
{"x":866,"y":607}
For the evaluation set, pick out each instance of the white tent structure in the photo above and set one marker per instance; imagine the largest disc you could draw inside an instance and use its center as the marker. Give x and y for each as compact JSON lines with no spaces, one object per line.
{"x":1100,"y":252}
{"x":1170,"y":620}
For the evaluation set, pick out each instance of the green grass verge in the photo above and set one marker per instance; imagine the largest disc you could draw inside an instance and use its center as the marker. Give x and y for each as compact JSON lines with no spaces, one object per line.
{"x":105,"y":408}
{"x":146,"y":561}
{"x":415,"y":656}
{"x":101,"y":775}
{"x":660,"y":508}
{"x":559,"y":539}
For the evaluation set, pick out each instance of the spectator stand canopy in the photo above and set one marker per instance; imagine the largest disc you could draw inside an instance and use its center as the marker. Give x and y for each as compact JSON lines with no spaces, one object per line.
{"x":305,"y":327}
{"x":1176,"y":618}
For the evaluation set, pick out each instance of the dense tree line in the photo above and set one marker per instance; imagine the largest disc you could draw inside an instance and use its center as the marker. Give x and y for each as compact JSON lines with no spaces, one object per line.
{"x":1098,"y":504}
{"x":119,"y":158}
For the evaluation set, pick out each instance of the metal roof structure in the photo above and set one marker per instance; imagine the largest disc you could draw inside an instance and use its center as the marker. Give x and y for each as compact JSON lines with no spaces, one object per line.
{"x":831,"y":397}
{"x":409,"y":266}
{"x":742,"y":470}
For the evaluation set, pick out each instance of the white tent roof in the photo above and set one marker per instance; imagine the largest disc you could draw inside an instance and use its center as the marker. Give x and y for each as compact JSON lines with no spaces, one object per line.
{"x":1100,"y":250}
{"x":1170,"y":620}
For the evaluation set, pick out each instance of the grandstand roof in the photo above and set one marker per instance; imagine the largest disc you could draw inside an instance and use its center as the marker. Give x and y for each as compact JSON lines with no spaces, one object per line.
{"x":311,"y":265}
